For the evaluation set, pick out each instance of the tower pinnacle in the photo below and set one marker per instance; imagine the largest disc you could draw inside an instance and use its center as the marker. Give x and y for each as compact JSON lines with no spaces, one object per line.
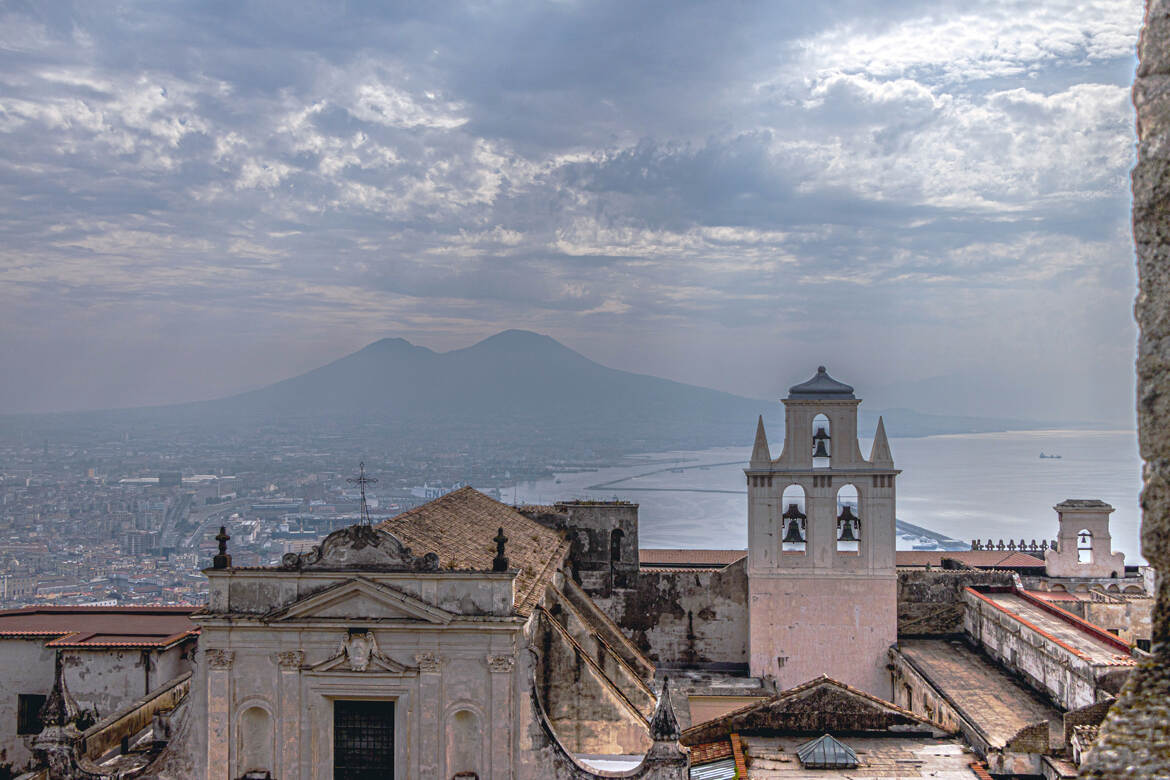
{"x":761,"y":458}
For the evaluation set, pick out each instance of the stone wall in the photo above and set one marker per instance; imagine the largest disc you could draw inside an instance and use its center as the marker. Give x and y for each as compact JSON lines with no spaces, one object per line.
{"x":930,"y":603}
{"x":913,"y":692}
{"x":1071,"y":681}
{"x":588,"y":712}
{"x":1135,"y":737}
{"x":685,"y":618}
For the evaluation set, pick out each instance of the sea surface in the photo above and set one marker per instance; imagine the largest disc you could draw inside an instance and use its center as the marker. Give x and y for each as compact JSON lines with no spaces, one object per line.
{"x":965,"y":486}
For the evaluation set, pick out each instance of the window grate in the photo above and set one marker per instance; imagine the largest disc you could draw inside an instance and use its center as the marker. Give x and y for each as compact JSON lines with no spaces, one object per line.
{"x":363,"y":740}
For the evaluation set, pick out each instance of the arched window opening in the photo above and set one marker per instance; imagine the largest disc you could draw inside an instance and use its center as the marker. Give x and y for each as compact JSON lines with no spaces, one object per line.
{"x":848,"y":520}
{"x":615,"y":545}
{"x":821,"y":442}
{"x":793,"y":520}
{"x":464,"y":745}
{"x":255,"y":741}
{"x":1084,"y":546}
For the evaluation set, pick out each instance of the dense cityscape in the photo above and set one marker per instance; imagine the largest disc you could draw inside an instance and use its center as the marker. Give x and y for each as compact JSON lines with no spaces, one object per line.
{"x":126,"y":521}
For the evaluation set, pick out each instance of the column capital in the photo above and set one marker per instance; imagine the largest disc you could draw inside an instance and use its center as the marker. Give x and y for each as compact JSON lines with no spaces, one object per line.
{"x":219,"y":659}
{"x":428,"y":663}
{"x":290,"y":660}
{"x":501,"y":663}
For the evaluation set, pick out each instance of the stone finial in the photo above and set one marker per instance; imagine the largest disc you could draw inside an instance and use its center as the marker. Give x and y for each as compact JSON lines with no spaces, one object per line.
{"x":500,"y":562}
{"x":664,"y":724}
{"x":222,"y":560}
{"x":761,"y":457}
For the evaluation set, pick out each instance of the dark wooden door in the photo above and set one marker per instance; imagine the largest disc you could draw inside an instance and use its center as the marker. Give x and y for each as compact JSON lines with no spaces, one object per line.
{"x":363,"y":740}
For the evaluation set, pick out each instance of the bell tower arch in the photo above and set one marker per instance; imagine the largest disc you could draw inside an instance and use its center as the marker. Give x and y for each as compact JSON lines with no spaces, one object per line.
{"x":822,"y":590}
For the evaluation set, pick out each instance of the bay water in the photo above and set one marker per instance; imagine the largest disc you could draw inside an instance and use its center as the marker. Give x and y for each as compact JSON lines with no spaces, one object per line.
{"x":965,"y":486}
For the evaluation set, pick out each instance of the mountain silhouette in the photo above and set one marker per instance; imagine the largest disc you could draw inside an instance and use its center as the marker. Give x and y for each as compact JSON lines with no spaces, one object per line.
{"x":515,"y":392}
{"x":515,"y":376}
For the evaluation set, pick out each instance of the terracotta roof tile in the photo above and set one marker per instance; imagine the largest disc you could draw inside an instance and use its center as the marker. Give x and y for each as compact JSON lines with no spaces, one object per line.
{"x":459,"y":528}
{"x":983,"y":559}
{"x":690,"y":558}
{"x":710,"y":751}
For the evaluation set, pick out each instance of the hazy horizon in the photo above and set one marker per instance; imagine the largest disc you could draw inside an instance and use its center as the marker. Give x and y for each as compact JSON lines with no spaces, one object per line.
{"x":932,"y":199}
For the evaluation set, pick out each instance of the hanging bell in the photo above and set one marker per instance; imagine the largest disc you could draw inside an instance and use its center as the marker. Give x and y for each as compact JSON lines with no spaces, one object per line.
{"x":821,"y":451}
{"x":1084,"y":539}
{"x":793,"y":535}
{"x":846,"y":521}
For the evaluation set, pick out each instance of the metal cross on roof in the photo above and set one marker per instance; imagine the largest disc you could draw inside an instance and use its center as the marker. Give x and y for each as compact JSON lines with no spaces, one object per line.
{"x":361,"y":480}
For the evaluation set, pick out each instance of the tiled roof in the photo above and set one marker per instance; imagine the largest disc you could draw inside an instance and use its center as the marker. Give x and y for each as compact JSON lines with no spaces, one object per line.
{"x":717,"y":559}
{"x":460,"y":526}
{"x":710,"y":751}
{"x":690,"y":558}
{"x":982,"y":559}
{"x":1055,"y":595}
{"x":99,"y":626}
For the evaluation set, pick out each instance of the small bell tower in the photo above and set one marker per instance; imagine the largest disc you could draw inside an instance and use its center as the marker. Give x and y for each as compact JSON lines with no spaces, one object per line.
{"x":821,"y":582}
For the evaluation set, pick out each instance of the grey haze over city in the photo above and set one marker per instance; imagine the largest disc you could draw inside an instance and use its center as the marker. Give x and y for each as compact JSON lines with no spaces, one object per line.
{"x":201,"y":199}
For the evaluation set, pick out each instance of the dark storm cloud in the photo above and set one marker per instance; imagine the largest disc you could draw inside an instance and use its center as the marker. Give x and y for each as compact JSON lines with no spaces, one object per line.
{"x":325,"y":174}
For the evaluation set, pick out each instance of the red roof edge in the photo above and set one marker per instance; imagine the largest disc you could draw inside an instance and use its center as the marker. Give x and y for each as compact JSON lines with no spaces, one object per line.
{"x":1079,"y":622}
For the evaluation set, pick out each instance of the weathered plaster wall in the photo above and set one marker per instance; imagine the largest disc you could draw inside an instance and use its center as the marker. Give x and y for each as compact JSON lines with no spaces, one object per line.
{"x":586,"y":710}
{"x":1069,"y":680}
{"x":615,"y":669}
{"x":1129,"y":618}
{"x":913,"y":692}
{"x":26,"y":666}
{"x":101,"y":681}
{"x":685,"y":618}
{"x":1135,"y":738}
{"x":1019,"y":755}
{"x":803,"y":627}
{"x":930,"y":603}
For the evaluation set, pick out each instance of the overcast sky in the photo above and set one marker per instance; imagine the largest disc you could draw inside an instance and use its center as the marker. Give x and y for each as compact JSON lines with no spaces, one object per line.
{"x":199,"y":198}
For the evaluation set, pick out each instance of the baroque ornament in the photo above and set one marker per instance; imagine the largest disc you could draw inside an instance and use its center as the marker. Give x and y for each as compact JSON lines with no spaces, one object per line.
{"x":360,"y":547}
{"x":428,"y":662}
{"x":219,"y":659}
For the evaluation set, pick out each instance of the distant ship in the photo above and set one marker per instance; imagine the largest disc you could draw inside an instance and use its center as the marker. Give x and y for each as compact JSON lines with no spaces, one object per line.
{"x":1049,"y":457}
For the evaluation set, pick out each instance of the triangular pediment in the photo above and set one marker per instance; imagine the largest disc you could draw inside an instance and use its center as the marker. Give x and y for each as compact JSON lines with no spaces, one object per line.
{"x":378,"y":664}
{"x":362,"y":599}
{"x":820,"y":706}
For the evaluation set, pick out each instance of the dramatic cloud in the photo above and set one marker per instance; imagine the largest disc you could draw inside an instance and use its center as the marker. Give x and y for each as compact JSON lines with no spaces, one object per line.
{"x":197,"y":199}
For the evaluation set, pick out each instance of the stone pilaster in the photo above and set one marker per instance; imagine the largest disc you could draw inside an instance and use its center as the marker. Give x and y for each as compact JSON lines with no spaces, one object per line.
{"x":500,"y":729}
{"x":219,"y":664}
{"x":430,"y":714}
{"x":289,"y":663}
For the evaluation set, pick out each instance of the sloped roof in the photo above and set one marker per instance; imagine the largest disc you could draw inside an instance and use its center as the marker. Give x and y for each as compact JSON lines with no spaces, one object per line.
{"x":685,"y":558}
{"x":460,"y":526}
{"x":100,"y":626}
{"x":820,"y":705}
{"x":980,"y":559}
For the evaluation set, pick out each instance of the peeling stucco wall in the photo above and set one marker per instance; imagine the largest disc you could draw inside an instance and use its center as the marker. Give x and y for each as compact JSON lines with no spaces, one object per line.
{"x":1135,"y":738}
{"x":685,"y":618}
{"x":586,"y":710}
{"x":930,"y":603}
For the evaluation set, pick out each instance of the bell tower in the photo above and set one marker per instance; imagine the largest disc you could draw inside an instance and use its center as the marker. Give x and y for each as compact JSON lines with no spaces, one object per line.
{"x":822,"y":591}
